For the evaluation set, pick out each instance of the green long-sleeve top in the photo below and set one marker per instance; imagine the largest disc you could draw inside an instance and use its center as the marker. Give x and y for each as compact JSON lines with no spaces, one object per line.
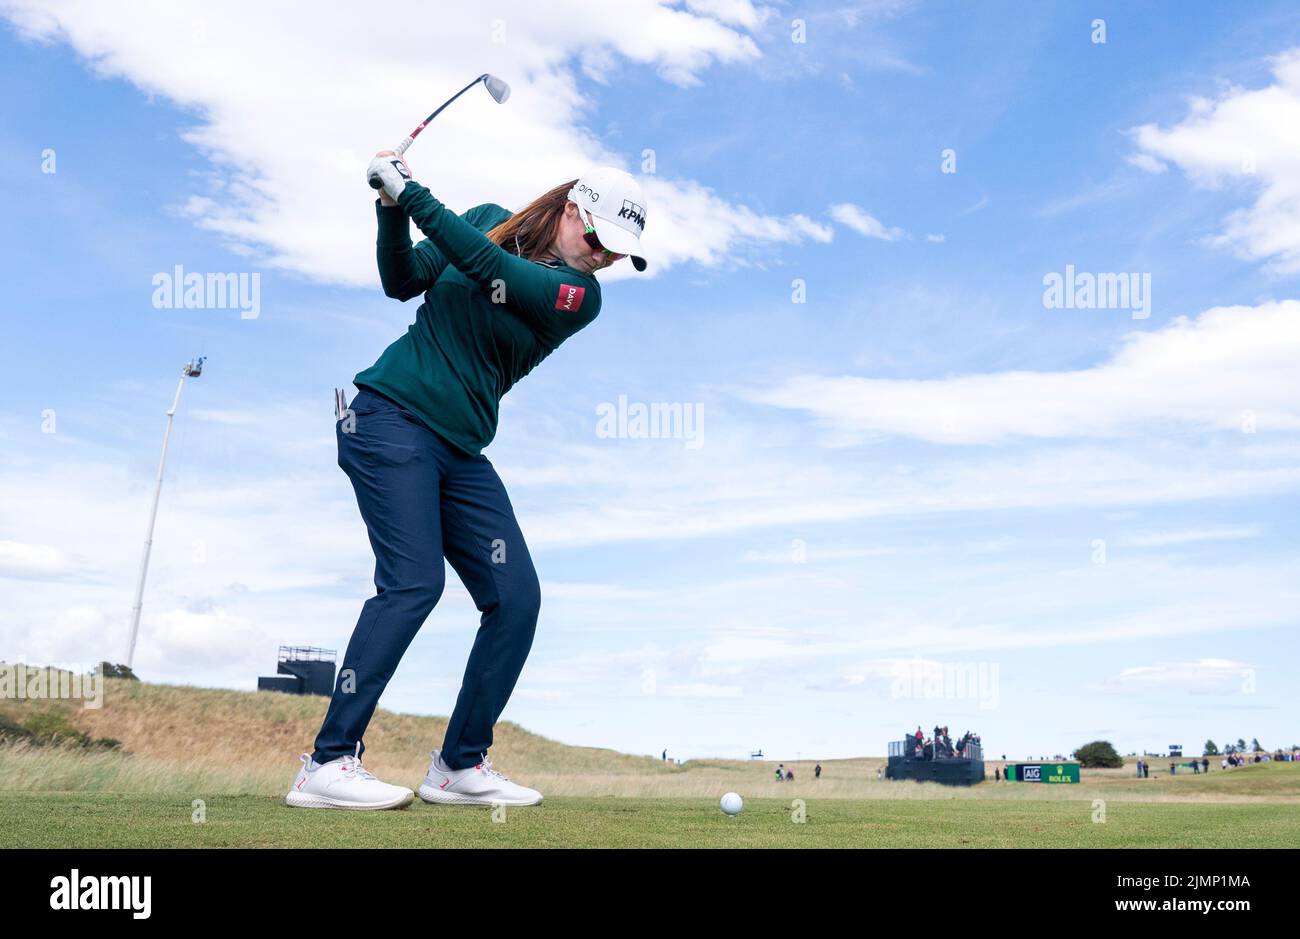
{"x":487,"y":319}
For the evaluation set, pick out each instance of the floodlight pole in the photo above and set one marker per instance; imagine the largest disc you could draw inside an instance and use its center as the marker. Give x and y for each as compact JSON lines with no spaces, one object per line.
{"x":192,"y":369}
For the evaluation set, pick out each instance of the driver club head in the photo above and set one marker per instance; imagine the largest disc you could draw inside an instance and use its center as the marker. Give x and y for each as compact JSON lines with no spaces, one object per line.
{"x":498,"y":89}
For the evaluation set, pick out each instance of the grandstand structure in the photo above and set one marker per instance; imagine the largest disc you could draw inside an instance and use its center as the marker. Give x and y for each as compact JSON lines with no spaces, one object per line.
{"x":936,"y":760}
{"x":301,"y":670}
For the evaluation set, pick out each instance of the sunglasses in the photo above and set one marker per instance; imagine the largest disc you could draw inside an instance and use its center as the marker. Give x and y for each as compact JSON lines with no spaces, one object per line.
{"x":589,"y":236}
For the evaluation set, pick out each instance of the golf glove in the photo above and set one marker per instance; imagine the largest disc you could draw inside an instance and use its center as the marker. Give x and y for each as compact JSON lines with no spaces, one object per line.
{"x":392,"y":171}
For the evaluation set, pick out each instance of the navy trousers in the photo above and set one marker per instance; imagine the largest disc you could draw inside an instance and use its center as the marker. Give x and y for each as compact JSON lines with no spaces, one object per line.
{"x":423,"y":500}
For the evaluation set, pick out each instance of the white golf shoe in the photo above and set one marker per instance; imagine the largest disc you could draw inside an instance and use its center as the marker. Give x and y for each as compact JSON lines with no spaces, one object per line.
{"x":343,"y":784}
{"x":478,"y":785}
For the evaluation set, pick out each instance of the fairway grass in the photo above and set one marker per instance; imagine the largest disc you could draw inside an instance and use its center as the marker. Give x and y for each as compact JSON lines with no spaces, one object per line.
{"x":101,"y":820}
{"x":234,"y":754}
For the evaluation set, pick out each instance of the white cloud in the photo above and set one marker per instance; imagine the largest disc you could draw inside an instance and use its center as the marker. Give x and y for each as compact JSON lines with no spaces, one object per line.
{"x":857,"y":218}
{"x":222,"y":417}
{"x":1146,"y":162}
{"x":697,"y":225}
{"x":289,"y":120}
{"x":1248,"y":138}
{"x":733,"y":12}
{"x":41,"y":561}
{"x":1100,"y":192}
{"x":611,"y":593}
{"x":1188,"y":536}
{"x":1214,"y":372}
{"x":809,"y":555}
{"x":284,"y":558}
{"x":701,"y":690}
{"x":1222,"y":676}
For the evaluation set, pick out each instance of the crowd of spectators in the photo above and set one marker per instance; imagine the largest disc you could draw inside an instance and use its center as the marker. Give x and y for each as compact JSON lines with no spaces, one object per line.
{"x":941,"y":745}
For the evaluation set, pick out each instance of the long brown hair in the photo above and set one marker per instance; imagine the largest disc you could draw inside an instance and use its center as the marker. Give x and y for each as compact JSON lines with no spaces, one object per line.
{"x":532,"y":230}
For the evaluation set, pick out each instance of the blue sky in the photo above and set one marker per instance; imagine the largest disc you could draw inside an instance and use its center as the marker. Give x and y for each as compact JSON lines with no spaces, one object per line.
{"x":920,"y":467}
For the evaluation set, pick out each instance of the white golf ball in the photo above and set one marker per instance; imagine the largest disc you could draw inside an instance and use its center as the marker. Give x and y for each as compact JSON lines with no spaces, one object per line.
{"x":732,"y":803}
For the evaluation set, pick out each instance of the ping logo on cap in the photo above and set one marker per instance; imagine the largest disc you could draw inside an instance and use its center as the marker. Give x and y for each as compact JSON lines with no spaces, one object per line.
{"x":569,"y":299}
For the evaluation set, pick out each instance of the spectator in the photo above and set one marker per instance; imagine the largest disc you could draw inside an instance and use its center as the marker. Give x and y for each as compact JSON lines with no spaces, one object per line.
{"x":1205,"y":765}
{"x":997,"y":774}
{"x":817,"y":771}
{"x":665,"y":756}
{"x":789,"y":775}
{"x":1173,"y":768}
{"x":1146,"y":770}
{"x":780,"y":772}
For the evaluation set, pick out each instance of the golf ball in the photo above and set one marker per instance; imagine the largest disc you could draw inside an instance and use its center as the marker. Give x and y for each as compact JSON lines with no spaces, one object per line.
{"x":732,"y":803}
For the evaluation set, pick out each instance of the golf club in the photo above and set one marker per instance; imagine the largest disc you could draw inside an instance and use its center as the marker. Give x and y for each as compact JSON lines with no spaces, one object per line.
{"x":498,"y":89}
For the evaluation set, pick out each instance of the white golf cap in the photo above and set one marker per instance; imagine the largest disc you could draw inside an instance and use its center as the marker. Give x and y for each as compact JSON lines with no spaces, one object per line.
{"x":614,"y":199}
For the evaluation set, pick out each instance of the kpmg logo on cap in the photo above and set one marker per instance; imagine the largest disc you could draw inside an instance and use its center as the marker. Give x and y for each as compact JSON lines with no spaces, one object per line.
{"x":633,"y":212}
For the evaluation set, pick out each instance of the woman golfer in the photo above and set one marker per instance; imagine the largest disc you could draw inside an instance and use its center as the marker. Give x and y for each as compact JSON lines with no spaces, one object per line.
{"x":501,"y":292}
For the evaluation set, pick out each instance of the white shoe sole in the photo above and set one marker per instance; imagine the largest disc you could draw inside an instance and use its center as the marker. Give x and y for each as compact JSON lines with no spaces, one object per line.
{"x":436,"y":796}
{"x":303,"y":800}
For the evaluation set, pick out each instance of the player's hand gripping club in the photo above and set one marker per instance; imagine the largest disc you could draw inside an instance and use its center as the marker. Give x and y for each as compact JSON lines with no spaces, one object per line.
{"x":391,"y":170}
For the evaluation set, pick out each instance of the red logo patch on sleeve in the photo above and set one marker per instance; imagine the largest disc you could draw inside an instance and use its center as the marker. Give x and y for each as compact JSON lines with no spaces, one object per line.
{"x":570,"y":298}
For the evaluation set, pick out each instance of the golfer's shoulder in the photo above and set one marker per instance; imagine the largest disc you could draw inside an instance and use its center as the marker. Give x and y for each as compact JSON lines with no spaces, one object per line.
{"x":574,"y":276}
{"x":486,"y":216}
{"x":575,"y":292}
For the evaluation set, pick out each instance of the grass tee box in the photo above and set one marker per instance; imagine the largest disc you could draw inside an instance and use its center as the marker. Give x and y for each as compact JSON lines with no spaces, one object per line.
{"x":177,"y":766}
{"x":108,"y":820}
{"x":1043,"y":772}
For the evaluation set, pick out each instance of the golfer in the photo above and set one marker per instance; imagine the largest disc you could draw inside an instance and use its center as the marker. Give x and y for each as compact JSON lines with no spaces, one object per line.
{"x":501,"y":292}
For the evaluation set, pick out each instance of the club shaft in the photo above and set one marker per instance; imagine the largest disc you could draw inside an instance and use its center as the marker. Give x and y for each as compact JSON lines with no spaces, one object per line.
{"x":401,"y":147}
